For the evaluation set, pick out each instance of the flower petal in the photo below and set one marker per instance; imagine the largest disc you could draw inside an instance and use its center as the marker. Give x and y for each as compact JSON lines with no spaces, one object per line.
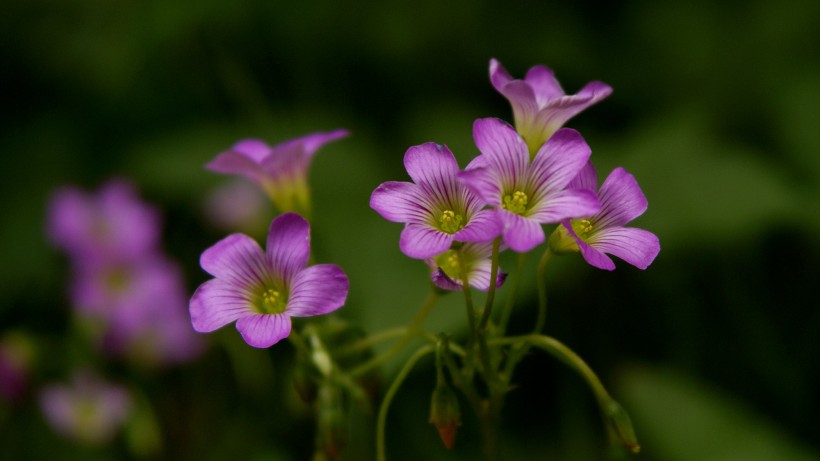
{"x":558,"y":111}
{"x":420,"y":241}
{"x":595,"y":257}
{"x":484,"y":182}
{"x":570,"y":203}
{"x":558,"y":161}
{"x":621,"y":199}
{"x":399,"y":202}
{"x":504,"y":149}
{"x":479,"y":276}
{"x":544,"y":85}
{"x":238,"y":260}
{"x":254,"y":149}
{"x":587,"y":179}
{"x":288,"y":247}
{"x":264,"y":330}
{"x":635,"y":246}
{"x":215,"y":304}
{"x":431,"y":163}
{"x":443,"y":281}
{"x":521,"y":234}
{"x":317,"y":290}
{"x":483,"y":227}
{"x":232,"y":162}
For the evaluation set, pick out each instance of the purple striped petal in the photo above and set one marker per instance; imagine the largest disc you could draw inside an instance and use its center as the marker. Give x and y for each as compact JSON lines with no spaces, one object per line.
{"x":635,"y":246}
{"x":399,"y":202}
{"x":479,"y":276}
{"x":217,"y":303}
{"x":587,"y":179}
{"x":288,"y":247}
{"x":264,"y":330}
{"x":420,"y":241}
{"x":443,"y":281}
{"x":560,"y":110}
{"x":484,"y":182}
{"x":315,"y":141}
{"x":559,"y":161}
{"x":521,"y":234}
{"x":544,"y":85}
{"x":498,"y":75}
{"x":503,"y":148}
{"x":431,"y":163}
{"x":238,"y":260}
{"x":317,"y":290}
{"x":595,"y":257}
{"x":483,"y":227}
{"x":571,"y":203}
{"x":621,"y":199}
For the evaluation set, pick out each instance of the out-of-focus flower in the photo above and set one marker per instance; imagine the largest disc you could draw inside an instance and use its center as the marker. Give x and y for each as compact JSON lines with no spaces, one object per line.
{"x":280,"y":170}
{"x":437,"y":208}
{"x":88,"y":409}
{"x":262,"y":290}
{"x":540,"y":106}
{"x":527,"y":194}
{"x":447,"y":271}
{"x":237,"y":206}
{"x":604,"y":233}
{"x":16,"y":354}
{"x":112,"y":225}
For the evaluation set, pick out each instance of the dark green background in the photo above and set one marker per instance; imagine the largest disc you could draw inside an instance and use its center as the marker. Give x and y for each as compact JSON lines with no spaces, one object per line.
{"x":713,"y":349}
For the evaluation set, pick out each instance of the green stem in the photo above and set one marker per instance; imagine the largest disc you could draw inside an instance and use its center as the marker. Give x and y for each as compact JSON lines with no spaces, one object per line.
{"x":542,"y":291}
{"x":468,"y":298}
{"x":388,"y":398}
{"x":488,"y":306}
{"x":401,"y":343}
{"x":508,"y":306}
{"x":369,"y":341}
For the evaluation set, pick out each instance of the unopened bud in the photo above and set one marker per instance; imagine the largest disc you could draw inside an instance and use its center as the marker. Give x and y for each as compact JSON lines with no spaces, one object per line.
{"x":445,"y":413}
{"x":619,"y":419}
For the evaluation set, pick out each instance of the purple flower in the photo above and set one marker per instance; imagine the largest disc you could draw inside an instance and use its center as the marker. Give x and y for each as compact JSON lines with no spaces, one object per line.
{"x":436,"y":207}
{"x":89,"y":410}
{"x":621,"y":201}
{"x":262,"y":290}
{"x":527,"y":194}
{"x":540,"y":106}
{"x":447,"y":271}
{"x":280,"y":170}
{"x":113,"y":224}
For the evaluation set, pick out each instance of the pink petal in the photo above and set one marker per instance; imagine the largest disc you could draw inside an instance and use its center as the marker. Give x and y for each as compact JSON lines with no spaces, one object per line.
{"x":432,"y":164}
{"x":254,"y":149}
{"x":503,"y":148}
{"x":215,"y":304}
{"x":544,"y":85}
{"x":635,"y":246}
{"x":288,"y":247}
{"x":232,"y":162}
{"x":621,"y":199}
{"x":317,"y":290}
{"x":521,"y":234}
{"x":571,"y":203}
{"x":559,"y":161}
{"x":264,"y":330}
{"x":587,"y":179}
{"x":484,"y":182}
{"x":595,"y":257}
{"x":237,"y":259}
{"x":558,"y":111}
{"x":483,"y":227}
{"x":399,"y":202}
{"x":420,"y":241}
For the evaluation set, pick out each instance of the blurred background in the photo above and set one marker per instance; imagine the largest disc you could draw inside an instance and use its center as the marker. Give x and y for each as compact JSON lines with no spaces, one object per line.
{"x":713,"y":349}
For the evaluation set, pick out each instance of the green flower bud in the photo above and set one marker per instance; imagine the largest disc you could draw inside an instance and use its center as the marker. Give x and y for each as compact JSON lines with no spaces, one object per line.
{"x":445,"y":413}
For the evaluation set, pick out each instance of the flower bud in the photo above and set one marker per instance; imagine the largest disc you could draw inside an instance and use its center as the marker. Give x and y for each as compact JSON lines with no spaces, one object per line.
{"x":445,"y":413}
{"x":620,"y":422}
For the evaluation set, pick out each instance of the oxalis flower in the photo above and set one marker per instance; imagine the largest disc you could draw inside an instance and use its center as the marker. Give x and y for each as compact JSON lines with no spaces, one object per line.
{"x":540,"y":106}
{"x":527,"y":194}
{"x":447,"y":273}
{"x":436,"y":207}
{"x":262,"y":290}
{"x":604,"y":233}
{"x":280,"y":170}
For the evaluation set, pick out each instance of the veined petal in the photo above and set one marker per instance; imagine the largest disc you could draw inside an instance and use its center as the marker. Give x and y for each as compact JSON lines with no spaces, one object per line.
{"x":288,"y":247}
{"x":635,"y":246}
{"x":232,"y":162}
{"x":217,"y":303}
{"x":484,"y":182}
{"x":237,"y":259}
{"x":317,"y":290}
{"x":399,"y":202}
{"x":521,"y":234}
{"x":443,"y":281}
{"x":621,"y":199}
{"x":264,"y":330}
{"x":559,"y":161}
{"x":431,"y":163}
{"x":558,"y":111}
{"x":570,"y":203}
{"x":483,"y":227}
{"x":479,"y":276}
{"x":498,"y":75}
{"x":420,"y":241}
{"x":503,"y":148}
{"x":595,"y":257}
{"x":544,"y":85}
{"x":587,"y":178}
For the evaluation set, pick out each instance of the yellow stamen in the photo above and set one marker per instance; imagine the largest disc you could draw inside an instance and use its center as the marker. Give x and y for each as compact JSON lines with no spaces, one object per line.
{"x":450,"y":222}
{"x":516,"y":203}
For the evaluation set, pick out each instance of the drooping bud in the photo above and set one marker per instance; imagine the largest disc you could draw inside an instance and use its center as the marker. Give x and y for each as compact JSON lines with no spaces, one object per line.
{"x":445,"y":413}
{"x":622,"y":424}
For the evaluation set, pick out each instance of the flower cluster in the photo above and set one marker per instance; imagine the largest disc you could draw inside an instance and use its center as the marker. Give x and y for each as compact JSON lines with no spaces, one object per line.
{"x":123,"y":286}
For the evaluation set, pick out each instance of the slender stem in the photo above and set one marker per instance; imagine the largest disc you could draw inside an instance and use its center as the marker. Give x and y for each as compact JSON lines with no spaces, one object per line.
{"x":488,"y":306}
{"x":468,"y":297}
{"x":508,"y":306}
{"x":401,"y":343}
{"x":369,"y":341}
{"x":542,"y":291}
{"x":388,"y":398}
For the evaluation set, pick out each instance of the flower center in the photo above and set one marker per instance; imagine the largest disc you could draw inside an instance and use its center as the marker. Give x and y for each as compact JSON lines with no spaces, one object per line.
{"x":271,"y":302}
{"x":450,"y":222}
{"x":516,"y":203}
{"x":581,"y":227}
{"x":448,"y":262}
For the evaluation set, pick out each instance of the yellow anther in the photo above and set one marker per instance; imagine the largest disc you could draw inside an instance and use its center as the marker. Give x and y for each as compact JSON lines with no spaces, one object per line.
{"x":450,"y":222}
{"x":272,"y":302}
{"x":581,"y":227}
{"x":516,"y":203}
